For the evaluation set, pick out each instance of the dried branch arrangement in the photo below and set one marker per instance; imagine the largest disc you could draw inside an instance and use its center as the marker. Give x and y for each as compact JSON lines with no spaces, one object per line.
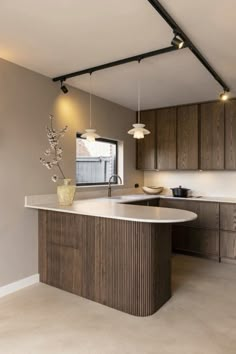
{"x":54,"y":152}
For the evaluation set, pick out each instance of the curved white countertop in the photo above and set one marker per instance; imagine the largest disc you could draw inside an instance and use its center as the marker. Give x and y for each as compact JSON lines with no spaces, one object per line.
{"x":117,"y":209}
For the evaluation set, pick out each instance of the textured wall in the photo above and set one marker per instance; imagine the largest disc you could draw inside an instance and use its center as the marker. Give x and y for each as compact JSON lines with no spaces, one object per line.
{"x":26,"y":100}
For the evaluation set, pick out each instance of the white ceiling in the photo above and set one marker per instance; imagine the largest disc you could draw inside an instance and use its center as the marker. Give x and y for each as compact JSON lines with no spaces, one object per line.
{"x":55,"y":37}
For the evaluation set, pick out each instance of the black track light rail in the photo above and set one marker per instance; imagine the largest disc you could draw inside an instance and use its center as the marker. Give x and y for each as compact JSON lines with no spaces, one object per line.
{"x":138,"y":57}
{"x":178,"y":30}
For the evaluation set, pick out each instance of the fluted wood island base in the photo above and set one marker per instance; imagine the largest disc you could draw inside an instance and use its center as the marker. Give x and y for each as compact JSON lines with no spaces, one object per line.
{"x":122,"y":264}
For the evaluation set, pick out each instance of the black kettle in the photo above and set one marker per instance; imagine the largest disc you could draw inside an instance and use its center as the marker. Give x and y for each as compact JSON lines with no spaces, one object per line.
{"x":180,"y":192}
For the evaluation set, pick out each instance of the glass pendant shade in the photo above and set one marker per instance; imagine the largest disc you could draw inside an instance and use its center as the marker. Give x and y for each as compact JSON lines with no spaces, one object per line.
{"x":90,"y":135}
{"x":138,"y":131}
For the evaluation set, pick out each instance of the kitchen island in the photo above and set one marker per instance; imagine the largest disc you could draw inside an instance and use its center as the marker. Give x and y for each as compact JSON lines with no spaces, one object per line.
{"x":108,"y":251}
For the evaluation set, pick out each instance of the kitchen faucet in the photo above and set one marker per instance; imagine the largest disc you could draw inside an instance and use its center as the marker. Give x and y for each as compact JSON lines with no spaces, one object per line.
{"x":109,"y":183}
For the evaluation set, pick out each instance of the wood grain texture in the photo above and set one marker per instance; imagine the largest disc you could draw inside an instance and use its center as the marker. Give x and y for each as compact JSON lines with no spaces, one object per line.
{"x":187,"y":137}
{"x":42,"y":245}
{"x":166,"y":138}
{"x":212,"y":136}
{"x":208,"y":212}
{"x":228,"y":244}
{"x":146,"y":148}
{"x":228,"y":217}
{"x":124,"y":265}
{"x":196,"y":241}
{"x":230,"y":135}
{"x":200,"y":236}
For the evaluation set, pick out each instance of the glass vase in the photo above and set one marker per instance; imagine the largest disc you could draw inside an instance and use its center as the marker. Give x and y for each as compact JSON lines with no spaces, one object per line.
{"x":66,"y":193}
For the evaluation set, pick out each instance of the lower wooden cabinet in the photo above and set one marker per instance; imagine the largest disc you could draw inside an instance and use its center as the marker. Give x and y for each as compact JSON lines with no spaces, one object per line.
{"x":228,"y":217}
{"x":196,"y":241}
{"x":200,"y":236}
{"x":211,"y":235}
{"x":153,"y":202}
{"x":150,"y":202}
{"x":208,"y":212}
{"x":228,"y":244}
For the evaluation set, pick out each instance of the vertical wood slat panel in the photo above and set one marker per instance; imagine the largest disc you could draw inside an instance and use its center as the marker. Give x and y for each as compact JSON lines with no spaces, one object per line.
{"x":42,"y":245}
{"x":121,"y":264}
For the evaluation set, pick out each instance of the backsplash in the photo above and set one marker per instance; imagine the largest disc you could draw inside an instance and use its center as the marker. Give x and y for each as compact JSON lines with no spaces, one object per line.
{"x":201,"y":183}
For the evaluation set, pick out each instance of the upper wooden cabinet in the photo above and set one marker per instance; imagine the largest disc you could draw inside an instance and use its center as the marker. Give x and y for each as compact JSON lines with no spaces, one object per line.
{"x":187,"y":137}
{"x":190,"y":137}
{"x":146,"y":148}
{"x":230,"y":135}
{"x":166,"y":138}
{"x":212,"y":136}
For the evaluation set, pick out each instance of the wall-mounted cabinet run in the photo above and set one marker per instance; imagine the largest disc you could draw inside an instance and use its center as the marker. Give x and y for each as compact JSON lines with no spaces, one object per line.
{"x":190,"y":137}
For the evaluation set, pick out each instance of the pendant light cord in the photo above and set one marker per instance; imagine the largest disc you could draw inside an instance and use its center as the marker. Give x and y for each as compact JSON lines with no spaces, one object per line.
{"x":90,"y":100}
{"x":139,"y":92}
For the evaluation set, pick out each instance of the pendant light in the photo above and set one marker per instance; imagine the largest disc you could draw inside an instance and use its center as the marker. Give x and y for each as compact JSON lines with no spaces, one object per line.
{"x":138,"y":131}
{"x":90,"y":134}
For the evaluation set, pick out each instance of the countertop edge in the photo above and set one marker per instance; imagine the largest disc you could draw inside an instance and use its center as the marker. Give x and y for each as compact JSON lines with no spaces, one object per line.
{"x":187,"y":215}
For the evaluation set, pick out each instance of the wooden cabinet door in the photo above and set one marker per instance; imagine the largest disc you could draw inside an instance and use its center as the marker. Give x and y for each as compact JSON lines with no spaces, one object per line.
{"x":146,"y":148}
{"x":228,"y":244}
{"x":153,"y":202}
{"x":212,"y":136}
{"x":228,"y":217}
{"x":187,"y":137}
{"x":166,"y":138}
{"x":139,"y":202}
{"x":230,"y":135}
{"x":208,"y":213}
{"x":197,"y":241}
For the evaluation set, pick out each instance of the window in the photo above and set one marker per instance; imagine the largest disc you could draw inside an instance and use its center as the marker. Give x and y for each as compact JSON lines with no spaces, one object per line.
{"x":96,"y":161}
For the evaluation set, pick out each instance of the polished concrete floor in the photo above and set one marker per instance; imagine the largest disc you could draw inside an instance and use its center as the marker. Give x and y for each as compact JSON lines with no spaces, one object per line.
{"x":200,"y":318}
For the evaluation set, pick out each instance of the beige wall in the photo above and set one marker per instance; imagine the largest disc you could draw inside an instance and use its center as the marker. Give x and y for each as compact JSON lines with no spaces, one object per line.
{"x":27,"y":98}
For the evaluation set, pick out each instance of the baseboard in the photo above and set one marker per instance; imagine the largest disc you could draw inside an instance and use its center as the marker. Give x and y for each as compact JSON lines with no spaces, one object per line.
{"x":18,"y":285}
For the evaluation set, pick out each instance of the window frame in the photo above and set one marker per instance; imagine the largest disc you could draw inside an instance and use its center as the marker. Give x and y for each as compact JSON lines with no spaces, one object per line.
{"x":115,"y":180}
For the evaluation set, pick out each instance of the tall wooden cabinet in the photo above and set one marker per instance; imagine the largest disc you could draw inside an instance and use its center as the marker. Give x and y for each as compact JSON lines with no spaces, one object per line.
{"x":166,"y":138}
{"x":187,"y":137}
{"x":230,"y":135}
{"x":146,"y":148}
{"x":212,"y":136}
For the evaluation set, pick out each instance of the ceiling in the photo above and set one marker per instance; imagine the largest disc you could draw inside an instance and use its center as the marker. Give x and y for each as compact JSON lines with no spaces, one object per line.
{"x":56,"y":37}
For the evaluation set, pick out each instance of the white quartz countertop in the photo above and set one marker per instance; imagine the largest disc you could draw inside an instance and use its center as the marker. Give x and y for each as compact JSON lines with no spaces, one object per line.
{"x":115,"y":208}
{"x":203,"y":199}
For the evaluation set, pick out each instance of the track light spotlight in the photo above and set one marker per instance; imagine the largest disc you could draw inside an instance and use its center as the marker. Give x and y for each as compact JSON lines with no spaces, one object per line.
{"x":224,"y":96}
{"x":64,"y":88}
{"x":177,"y":42}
